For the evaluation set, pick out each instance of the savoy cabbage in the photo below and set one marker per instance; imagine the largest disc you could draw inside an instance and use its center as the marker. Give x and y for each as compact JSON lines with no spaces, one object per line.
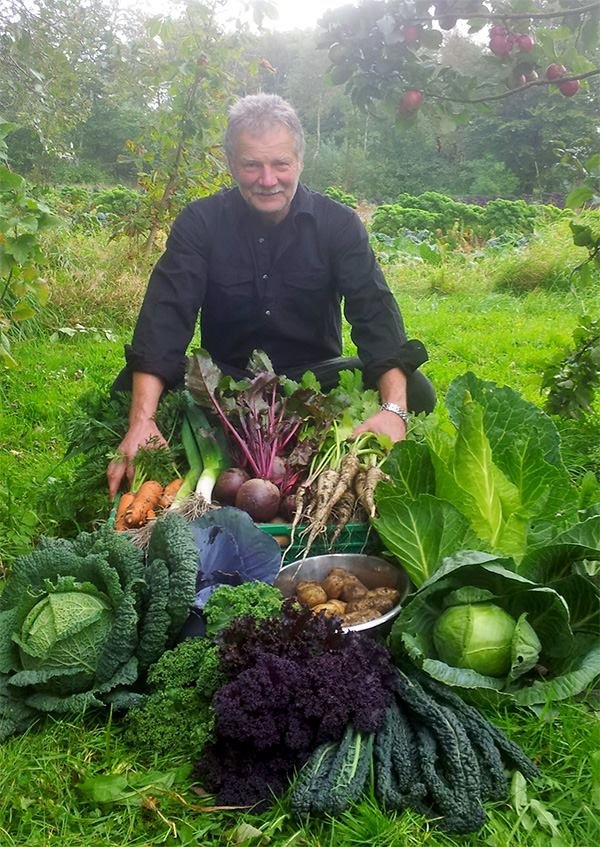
{"x":82,"y":620}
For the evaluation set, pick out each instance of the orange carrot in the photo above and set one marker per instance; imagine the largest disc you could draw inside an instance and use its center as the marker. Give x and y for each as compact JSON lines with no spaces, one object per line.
{"x":124,"y":504}
{"x":146,"y":500}
{"x":169,"y":492}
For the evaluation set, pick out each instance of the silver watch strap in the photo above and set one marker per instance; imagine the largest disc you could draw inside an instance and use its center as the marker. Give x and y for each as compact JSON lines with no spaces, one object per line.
{"x":396,"y":409}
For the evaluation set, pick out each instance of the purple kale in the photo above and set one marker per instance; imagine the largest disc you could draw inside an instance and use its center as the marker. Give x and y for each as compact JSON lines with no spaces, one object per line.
{"x":294,"y":682}
{"x":348,"y":686}
{"x":256,"y":706}
{"x":237,"y":776}
{"x":297,"y":634}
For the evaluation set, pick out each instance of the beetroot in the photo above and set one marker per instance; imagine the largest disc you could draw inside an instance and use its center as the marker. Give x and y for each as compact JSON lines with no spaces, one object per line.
{"x":287,"y":507}
{"x":228,"y":484}
{"x":260,"y":498}
{"x":278,"y":470}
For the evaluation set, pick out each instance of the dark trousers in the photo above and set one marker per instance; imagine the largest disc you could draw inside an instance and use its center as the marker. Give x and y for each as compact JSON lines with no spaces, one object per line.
{"x":420,"y":392}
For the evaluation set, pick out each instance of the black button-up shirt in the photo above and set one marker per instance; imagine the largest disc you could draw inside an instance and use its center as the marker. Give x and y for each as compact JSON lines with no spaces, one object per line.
{"x":274,"y":288}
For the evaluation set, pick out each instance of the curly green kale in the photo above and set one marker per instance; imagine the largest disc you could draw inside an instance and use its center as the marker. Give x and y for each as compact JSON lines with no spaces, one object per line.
{"x":177,"y":717}
{"x":228,"y":602}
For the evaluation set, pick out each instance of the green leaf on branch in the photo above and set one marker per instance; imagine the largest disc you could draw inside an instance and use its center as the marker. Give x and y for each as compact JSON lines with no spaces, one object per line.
{"x":10,"y":181}
{"x":22,"y":312}
{"x":579,"y":196}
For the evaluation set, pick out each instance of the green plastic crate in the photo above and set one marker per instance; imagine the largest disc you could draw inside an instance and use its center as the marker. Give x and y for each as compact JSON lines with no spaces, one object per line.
{"x":354,"y":538}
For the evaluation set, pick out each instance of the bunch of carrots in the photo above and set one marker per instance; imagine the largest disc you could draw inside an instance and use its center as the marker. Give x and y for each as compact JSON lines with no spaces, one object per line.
{"x":155,"y":488}
{"x":135,"y":509}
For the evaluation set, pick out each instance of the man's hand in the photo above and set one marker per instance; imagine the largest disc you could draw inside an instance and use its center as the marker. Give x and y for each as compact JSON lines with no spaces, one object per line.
{"x":383,"y":423}
{"x":145,"y":394}
{"x":137,"y":436}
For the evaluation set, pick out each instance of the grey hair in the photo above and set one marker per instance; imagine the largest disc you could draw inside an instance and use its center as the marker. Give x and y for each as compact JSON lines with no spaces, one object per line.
{"x":257,"y":113}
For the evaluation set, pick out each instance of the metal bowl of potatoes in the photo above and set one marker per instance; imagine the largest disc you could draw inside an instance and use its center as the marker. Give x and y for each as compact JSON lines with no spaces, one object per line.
{"x":364,"y":592}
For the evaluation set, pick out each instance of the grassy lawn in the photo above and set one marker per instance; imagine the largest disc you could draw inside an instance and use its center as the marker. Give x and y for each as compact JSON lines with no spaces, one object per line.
{"x":469,"y":322}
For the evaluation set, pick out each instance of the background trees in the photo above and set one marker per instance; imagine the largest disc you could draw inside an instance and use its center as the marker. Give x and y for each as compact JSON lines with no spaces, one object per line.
{"x":101,"y":96}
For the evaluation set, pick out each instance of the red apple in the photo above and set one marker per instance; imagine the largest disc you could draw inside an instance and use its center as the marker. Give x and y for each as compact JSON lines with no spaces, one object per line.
{"x":500,"y":45}
{"x":569,"y":87}
{"x":555,"y":71}
{"x":411,"y":33}
{"x":497,"y":29}
{"x":525,"y":43}
{"x":411,"y":101}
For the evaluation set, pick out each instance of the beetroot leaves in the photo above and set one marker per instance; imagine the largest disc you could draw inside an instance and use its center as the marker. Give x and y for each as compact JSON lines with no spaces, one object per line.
{"x":268,"y":419}
{"x":294,"y":681}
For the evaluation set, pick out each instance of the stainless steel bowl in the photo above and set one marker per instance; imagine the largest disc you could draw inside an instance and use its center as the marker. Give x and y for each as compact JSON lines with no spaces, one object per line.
{"x":371,"y":570}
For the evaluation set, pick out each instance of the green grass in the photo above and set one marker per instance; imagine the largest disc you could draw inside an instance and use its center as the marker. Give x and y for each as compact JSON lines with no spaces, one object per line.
{"x":467,"y":323}
{"x":42,"y":807}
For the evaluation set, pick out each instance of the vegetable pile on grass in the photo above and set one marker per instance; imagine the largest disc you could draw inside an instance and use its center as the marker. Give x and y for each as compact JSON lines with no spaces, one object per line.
{"x":306,"y":703}
{"x":274,"y":701}
{"x":483,"y":516}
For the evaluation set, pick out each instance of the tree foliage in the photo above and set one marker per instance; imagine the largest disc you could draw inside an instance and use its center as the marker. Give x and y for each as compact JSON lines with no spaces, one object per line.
{"x":22,"y":220}
{"x":387,"y":52}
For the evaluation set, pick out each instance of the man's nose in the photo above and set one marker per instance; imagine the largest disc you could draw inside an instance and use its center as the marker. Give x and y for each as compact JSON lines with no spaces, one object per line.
{"x":268,"y":177}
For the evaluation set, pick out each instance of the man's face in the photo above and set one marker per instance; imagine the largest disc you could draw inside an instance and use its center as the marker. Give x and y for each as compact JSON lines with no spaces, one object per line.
{"x":267,"y":169}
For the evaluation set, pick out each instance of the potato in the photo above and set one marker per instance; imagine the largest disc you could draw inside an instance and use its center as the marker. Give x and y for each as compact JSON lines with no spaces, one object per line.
{"x":332,"y":608}
{"x":310,"y":593}
{"x":361,"y":616}
{"x":333,"y":585}
{"x":380,"y":599}
{"x":385,"y":598}
{"x":353,"y":589}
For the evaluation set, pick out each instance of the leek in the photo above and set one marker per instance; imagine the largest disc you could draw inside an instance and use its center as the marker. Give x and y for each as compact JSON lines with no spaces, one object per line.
{"x":214,"y":459}
{"x":194,"y":460}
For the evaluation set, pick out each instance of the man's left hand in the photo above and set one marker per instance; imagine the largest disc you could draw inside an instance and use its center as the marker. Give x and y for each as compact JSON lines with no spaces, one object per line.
{"x":383,"y":423}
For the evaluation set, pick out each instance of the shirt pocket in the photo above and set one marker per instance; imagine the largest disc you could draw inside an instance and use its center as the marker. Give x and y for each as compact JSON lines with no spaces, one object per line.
{"x":307,"y":280}
{"x":309,"y":295}
{"x":234,"y":293}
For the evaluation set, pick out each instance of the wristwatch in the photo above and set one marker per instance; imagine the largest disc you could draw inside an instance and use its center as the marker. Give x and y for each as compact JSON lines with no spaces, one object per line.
{"x":397,"y":410}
